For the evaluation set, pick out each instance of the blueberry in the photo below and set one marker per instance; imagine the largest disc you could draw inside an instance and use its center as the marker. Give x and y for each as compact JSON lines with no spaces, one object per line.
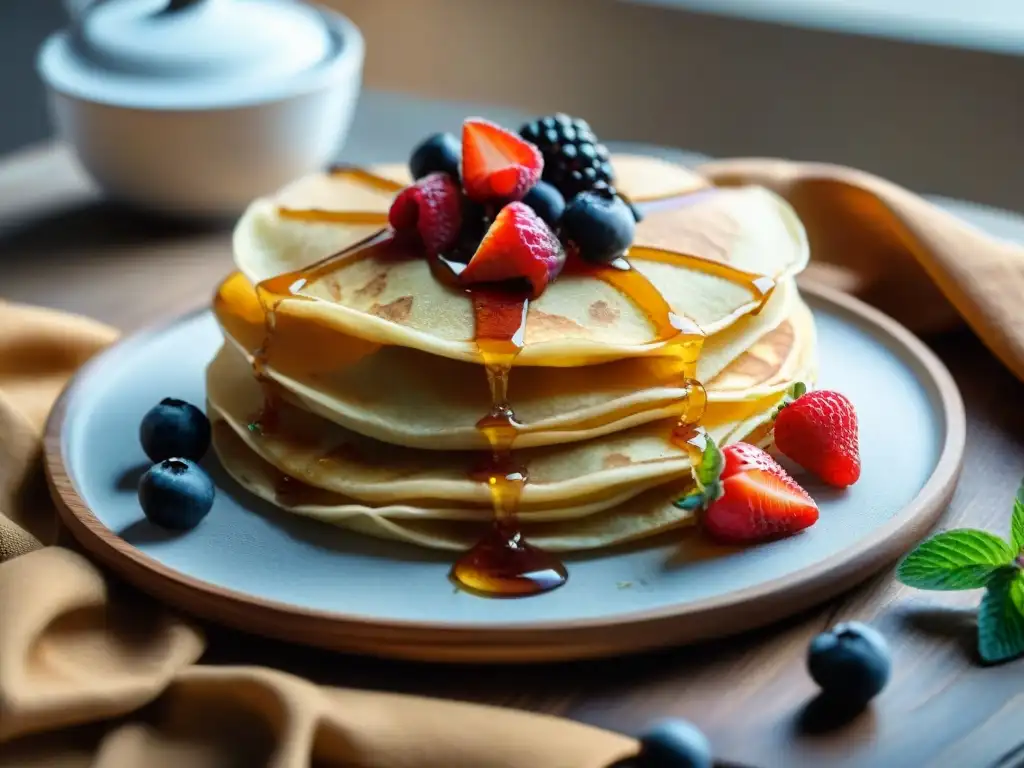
{"x":174,"y":428}
{"x":546,"y":201}
{"x":601,"y":227}
{"x":674,"y":744}
{"x":176,"y":493}
{"x":440,"y":152}
{"x":850,"y":663}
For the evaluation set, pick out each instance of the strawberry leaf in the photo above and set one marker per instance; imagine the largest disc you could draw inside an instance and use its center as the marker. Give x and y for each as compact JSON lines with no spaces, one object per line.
{"x":794,"y":393}
{"x":691,"y":502}
{"x":1001,"y":618}
{"x":709,"y":473}
{"x":1017,"y":524}
{"x":959,"y":559}
{"x":711,"y":463}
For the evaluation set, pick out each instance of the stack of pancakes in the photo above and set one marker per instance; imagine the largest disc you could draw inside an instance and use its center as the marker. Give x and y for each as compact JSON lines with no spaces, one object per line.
{"x":376,"y":384}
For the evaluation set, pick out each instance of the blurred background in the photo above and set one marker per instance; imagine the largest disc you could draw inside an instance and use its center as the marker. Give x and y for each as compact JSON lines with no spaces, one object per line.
{"x":927,"y":92}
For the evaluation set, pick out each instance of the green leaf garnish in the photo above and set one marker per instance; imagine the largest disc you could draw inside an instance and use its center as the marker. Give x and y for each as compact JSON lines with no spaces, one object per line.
{"x":1001,"y":618}
{"x":798,"y":390}
{"x":971,"y":559}
{"x":1017,"y":524}
{"x":711,"y":463}
{"x":691,"y":502}
{"x":960,"y":559}
{"x":707,"y":476}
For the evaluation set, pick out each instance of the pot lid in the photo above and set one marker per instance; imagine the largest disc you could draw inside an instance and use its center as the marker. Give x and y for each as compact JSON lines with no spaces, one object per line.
{"x":198,"y":53}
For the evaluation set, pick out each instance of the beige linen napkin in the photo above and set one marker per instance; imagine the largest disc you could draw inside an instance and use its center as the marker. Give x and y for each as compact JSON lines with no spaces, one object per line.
{"x":78,"y":651}
{"x":93,"y":675}
{"x":914,"y":261}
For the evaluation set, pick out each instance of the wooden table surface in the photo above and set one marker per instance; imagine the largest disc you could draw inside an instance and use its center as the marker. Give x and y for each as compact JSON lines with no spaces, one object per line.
{"x":62,"y":247}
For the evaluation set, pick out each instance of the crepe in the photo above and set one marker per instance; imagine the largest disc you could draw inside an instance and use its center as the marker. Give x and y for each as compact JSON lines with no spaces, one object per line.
{"x":377,"y":385}
{"x":371,"y":392}
{"x":324,"y":454}
{"x":393,"y":298}
{"x":648,"y":512}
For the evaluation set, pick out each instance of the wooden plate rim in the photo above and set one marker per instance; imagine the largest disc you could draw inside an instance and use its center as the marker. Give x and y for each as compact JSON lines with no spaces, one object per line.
{"x":529,"y":641}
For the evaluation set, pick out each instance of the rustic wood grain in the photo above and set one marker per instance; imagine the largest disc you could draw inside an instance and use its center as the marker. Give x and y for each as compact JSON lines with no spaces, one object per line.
{"x":59,"y":247}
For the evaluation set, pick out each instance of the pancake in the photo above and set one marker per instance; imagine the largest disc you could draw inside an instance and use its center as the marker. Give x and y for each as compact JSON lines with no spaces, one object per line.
{"x":366,"y":410}
{"x":648,"y":513}
{"x":371,"y":395}
{"x":326,"y":455}
{"x":722,"y":241}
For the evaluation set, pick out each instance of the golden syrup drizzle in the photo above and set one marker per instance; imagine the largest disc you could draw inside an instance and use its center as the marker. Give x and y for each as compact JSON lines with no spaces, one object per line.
{"x":761,"y":287}
{"x":272,"y":291}
{"x":503,"y":563}
{"x":369,"y":178}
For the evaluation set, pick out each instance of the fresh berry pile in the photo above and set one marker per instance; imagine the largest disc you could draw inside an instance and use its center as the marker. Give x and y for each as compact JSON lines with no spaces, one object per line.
{"x":512,"y":207}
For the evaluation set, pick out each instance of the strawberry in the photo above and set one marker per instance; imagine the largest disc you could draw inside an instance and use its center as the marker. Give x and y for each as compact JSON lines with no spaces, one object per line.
{"x":518,"y":245}
{"x":744,"y":496}
{"x":497,"y":165}
{"x":432,"y":209}
{"x":818,"y":431}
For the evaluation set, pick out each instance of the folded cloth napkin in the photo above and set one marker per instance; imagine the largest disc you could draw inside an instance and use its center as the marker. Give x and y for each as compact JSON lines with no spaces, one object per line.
{"x":914,"y":261}
{"x":94,"y":675}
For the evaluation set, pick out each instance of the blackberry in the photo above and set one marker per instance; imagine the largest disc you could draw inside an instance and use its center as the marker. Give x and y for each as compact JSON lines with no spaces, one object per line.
{"x":574,"y":160}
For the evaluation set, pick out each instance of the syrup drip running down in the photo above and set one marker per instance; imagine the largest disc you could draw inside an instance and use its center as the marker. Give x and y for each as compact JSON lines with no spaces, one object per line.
{"x":503,"y":563}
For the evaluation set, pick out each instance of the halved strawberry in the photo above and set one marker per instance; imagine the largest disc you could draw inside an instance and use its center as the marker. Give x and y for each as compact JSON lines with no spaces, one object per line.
{"x":744,"y":496}
{"x":431,"y":208}
{"x":497,"y":165}
{"x":758,"y":506}
{"x":518,"y":245}
{"x":818,"y":431}
{"x":743,"y":457}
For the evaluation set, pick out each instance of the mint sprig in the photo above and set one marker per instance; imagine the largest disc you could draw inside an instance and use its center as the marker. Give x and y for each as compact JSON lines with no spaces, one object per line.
{"x":960,"y":559}
{"x":966,"y":558}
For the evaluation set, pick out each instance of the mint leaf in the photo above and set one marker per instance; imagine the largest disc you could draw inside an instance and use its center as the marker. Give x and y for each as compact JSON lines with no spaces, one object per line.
{"x":1001,"y":618}
{"x":1017,"y":524}
{"x":959,"y":559}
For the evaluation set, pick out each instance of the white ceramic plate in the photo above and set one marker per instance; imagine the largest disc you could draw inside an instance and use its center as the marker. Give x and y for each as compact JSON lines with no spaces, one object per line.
{"x":257,"y":568}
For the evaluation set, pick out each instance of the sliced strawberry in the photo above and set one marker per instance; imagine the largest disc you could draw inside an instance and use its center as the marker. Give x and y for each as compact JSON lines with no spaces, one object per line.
{"x":758,"y":506}
{"x":743,"y":457}
{"x":743,"y":495}
{"x":432,"y":209}
{"x":497,"y":165}
{"x":819,"y":432}
{"x":518,"y":246}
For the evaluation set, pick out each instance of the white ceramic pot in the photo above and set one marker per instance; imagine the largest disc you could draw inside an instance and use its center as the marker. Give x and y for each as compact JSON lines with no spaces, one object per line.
{"x":195,"y":107}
